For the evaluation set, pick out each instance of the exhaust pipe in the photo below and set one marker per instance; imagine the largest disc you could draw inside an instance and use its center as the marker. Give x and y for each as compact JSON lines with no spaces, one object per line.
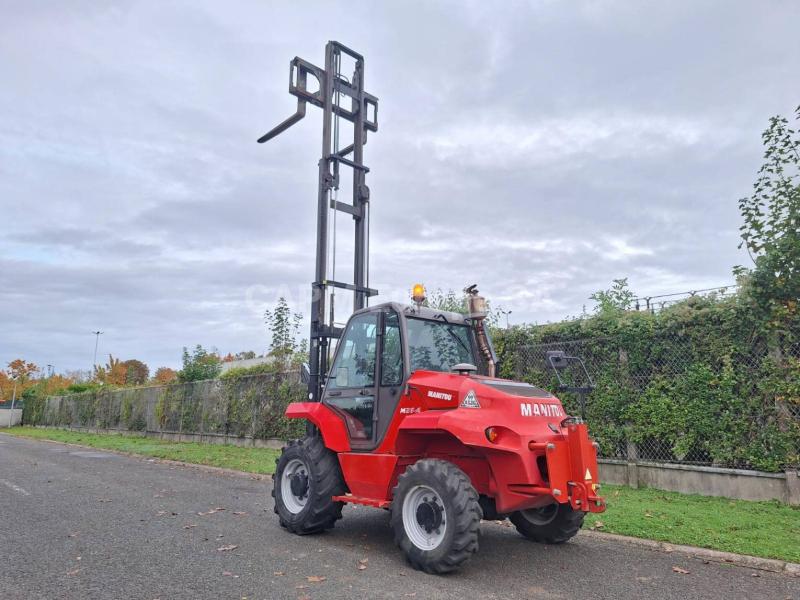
{"x":478,"y":311}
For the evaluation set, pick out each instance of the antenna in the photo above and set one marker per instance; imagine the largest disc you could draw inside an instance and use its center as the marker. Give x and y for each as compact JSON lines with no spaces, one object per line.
{"x":363,"y":114}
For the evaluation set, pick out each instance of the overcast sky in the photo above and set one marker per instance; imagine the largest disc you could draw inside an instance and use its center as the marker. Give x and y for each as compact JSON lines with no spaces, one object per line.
{"x":540,"y":149}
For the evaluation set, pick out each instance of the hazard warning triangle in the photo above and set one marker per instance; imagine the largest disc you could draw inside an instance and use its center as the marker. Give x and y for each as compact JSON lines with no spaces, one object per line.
{"x":588,"y":475}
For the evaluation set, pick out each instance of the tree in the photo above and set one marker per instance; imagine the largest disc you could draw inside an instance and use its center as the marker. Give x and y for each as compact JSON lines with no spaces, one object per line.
{"x":447,"y":301}
{"x":19,"y":376}
{"x":113,"y":373}
{"x":6,"y":386}
{"x":283,"y":326}
{"x":136,"y":373}
{"x":771,"y":226}
{"x":21,"y":371}
{"x":164,"y":375}
{"x":200,"y":364}
{"x":615,"y":299}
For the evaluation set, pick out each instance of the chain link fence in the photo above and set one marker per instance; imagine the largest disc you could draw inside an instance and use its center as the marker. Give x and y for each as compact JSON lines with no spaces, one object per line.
{"x":669,"y":399}
{"x":251,"y":406}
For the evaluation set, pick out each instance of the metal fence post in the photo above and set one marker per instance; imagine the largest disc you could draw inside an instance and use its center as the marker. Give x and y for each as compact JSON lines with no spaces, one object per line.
{"x":632,"y":455}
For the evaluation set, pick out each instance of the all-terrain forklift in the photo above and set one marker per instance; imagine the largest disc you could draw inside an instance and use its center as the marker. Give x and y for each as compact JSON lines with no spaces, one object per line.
{"x":410,"y":416}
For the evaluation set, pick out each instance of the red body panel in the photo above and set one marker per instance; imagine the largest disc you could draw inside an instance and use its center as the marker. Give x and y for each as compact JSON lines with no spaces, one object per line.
{"x":334,"y":431}
{"x":533,"y":460}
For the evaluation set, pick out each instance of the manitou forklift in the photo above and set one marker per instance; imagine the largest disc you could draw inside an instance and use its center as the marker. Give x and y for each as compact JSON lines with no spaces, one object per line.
{"x":410,"y":416}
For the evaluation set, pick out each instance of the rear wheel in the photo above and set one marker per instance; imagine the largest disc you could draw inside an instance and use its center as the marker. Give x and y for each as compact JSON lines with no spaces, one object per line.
{"x":551,"y":524}
{"x":306,"y":478}
{"x":435,"y":516}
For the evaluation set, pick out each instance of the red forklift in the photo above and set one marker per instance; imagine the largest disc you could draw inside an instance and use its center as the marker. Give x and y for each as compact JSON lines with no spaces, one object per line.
{"x":406,"y":412}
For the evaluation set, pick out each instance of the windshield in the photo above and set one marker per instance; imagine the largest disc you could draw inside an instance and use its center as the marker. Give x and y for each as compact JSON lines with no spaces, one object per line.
{"x":437,"y":345}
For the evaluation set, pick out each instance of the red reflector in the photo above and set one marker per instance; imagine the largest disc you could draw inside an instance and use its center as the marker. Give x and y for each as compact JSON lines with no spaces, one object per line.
{"x":492,"y":434}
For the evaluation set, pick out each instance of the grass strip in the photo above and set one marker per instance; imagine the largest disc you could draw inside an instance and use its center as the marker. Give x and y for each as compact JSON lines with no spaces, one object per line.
{"x":250,"y":460}
{"x":767,"y":529}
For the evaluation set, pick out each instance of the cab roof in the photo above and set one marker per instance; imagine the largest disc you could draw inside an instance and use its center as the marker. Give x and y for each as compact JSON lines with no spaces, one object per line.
{"x":421,"y":312}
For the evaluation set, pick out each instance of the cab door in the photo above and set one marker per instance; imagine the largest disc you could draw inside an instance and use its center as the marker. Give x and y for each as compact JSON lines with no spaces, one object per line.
{"x":351,"y":388}
{"x":391,"y":373}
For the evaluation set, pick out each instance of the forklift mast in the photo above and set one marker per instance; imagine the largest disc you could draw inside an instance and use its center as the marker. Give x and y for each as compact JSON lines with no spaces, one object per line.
{"x":334,"y":90}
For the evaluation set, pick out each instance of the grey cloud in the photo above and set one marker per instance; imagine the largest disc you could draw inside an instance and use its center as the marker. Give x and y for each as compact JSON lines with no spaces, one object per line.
{"x":536,"y":148}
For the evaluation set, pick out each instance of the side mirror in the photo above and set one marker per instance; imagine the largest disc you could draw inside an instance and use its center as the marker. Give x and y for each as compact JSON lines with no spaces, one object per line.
{"x":557,"y":359}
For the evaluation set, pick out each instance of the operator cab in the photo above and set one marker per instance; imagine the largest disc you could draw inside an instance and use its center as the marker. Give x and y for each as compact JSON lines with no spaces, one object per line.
{"x":379,"y":350}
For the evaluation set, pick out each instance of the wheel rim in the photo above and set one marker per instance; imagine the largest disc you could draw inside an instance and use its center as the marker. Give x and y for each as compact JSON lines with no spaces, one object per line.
{"x":541,"y":516}
{"x":295,"y":485}
{"x":424,"y":517}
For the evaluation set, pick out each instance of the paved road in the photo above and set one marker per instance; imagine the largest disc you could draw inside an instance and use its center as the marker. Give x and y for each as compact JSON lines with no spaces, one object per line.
{"x":76,"y":523}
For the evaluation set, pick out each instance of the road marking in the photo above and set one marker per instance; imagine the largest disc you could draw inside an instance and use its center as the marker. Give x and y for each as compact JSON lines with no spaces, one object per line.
{"x":16,"y":488}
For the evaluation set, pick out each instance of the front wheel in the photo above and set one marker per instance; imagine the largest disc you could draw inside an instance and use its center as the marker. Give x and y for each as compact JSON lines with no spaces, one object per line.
{"x":551,"y":524}
{"x":307,"y":476}
{"x":435,"y":516}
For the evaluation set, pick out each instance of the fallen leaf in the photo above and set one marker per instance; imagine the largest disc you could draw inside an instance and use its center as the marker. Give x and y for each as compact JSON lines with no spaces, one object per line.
{"x":680,"y":570}
{"x":229,"y":574}
{"x":754,"y":575}
{"x":278,"y":573}
{"x":361,"y":567}
{"x":598,"y":525}
{"x":316,"y":578}
{"x":189,"y":526}
{"x":211,"y":511}
{"x":647,"y":514}
{"x":73,"y":534}
{"x":240,"y":513}
{"x":161,"y":513}
{"x":227,"y":548}
{"x":104,"y":499}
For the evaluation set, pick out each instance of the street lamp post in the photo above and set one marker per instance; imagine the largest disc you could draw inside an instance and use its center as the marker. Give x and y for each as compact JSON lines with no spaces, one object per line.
{"x":506,"y":313}
{"x":97,"y":335}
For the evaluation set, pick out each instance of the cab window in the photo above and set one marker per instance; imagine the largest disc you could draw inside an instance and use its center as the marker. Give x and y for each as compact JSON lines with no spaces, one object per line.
{"x":436,"y":345}
{"x":354,"y":366}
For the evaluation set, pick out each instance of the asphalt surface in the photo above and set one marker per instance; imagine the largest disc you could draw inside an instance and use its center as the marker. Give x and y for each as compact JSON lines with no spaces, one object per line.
{"x":77,"y":523}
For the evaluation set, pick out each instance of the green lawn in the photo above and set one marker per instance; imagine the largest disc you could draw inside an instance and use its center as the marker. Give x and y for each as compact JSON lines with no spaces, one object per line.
{"x":251,"y":460}
{"x":767,"y":529}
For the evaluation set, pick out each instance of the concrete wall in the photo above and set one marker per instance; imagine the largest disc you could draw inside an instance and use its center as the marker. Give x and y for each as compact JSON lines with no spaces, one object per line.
{"x":706,"y":481}
{"x":10,"y":418}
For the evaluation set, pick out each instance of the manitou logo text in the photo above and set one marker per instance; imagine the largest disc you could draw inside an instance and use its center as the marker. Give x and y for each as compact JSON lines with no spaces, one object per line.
{"x":540,"y":409}
{"x":440,"y":395}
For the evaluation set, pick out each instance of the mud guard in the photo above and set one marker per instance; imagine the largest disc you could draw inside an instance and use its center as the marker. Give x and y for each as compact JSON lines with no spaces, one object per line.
{"x":333,"y":429}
